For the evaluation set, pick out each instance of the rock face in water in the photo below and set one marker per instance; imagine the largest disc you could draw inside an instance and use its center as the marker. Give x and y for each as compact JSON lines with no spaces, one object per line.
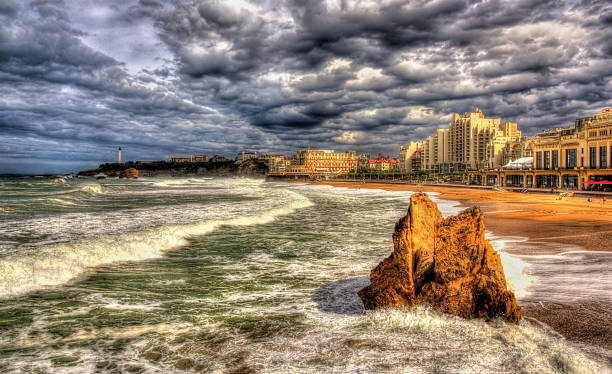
{"x":446,"y":263}
{"x":129,"y":173}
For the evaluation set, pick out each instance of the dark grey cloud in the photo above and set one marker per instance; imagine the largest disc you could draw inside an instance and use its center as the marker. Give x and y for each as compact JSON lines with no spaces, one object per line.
{"x":163,"y":77}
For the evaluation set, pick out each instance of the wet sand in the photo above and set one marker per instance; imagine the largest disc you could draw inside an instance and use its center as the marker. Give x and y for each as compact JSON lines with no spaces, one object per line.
{"x":551,"y":226}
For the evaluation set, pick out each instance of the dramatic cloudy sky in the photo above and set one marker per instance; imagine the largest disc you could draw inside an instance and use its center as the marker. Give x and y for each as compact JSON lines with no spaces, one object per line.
{"x":78,"y":78}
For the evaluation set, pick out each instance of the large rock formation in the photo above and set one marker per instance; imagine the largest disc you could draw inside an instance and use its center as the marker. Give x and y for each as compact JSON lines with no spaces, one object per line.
{"x":446,"y":263}
{"x":129,"y":173}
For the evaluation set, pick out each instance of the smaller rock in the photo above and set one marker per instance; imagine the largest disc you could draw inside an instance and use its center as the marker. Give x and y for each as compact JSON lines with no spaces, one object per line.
{"x":130,"y":173}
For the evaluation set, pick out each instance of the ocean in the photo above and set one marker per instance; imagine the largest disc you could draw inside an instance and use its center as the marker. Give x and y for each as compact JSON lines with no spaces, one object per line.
{"x":240,"y":275}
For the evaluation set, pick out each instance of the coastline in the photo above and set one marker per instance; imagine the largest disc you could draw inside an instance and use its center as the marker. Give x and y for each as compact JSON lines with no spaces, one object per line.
{"x":551,"y":226}
{"x":533,"y":216}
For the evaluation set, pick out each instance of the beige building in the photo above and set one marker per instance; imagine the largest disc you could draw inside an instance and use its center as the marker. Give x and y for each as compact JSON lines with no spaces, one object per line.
{"x":435,"y":153}
{"x":471,"y":141}
{"x":415,"y":161}
{"x":243,"y":156}
{"x":276,"y":162}
{"x":563,"y":157}
{"x":363,"y":161}
{"x":383,"y":164}
{"x":517,"y":149}
{"x":427,"y":154}
{"x":407,"y":154}
{"x":199,"y":158}
{"x":477,"y":142}
{"x":326,"y":161}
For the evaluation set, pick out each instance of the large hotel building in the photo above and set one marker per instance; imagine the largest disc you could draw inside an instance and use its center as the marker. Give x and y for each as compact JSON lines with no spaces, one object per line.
{"x":471,"y":142}
{"x":563,"y":157}
{"x":324,"y":161}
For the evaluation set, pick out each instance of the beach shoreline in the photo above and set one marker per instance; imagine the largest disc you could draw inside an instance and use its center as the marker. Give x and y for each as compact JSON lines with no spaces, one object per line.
{"x":532,"y":216}
{"x":551,"y":226}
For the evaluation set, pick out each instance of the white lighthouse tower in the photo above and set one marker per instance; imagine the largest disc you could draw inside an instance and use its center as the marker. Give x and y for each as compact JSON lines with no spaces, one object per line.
{"x":119,"y":156}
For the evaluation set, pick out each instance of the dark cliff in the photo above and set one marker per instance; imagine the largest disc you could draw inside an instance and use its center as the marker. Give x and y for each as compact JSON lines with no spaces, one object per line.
{"x":177,"y":169}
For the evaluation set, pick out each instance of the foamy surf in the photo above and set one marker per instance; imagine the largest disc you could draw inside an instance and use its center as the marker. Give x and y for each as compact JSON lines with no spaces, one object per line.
{"x":275,"y":298}
{"x":516,"y":270}
{"x":54,"y":265}
{"x":91,"y":188}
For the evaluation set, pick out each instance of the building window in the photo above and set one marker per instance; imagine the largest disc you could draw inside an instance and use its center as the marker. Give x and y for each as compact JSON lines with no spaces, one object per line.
{"x":538,"y":160}
{"x":592,"y":157}
{"x":555,"y":159}
{"x":603,"y":157}
{"x":570,"y":158}
{"x":546,"y":159}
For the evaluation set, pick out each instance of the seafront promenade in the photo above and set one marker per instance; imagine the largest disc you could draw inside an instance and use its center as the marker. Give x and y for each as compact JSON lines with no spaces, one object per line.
{"x":417,"y":185}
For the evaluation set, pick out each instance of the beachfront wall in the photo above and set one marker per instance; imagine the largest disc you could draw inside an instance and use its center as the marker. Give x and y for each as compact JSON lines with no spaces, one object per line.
{"x":563,"y":157}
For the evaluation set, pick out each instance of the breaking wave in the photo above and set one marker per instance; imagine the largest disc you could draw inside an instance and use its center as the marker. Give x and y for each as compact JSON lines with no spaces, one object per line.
{"x":53,"y":265}
{"x":91,"y":188}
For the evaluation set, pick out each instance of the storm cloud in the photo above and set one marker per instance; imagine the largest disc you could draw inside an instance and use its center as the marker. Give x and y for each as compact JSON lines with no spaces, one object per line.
{"x":161,"y":78}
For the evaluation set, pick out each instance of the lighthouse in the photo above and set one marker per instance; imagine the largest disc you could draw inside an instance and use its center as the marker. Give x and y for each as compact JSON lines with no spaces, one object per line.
{"x":119,"y":155}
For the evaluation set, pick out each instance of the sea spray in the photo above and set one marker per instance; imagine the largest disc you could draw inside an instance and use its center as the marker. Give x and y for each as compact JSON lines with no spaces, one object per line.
{"x":273,"y":295}
{"x":393,"y":341}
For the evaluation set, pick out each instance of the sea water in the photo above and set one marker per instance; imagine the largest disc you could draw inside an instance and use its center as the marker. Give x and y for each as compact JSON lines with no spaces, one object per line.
{"x":236,"y":275}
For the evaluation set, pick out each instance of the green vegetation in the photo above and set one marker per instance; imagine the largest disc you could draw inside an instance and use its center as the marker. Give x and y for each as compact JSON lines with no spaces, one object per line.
{"x":415,"y":176}
{"x":255,"y":166}
{"x":168,"y":165}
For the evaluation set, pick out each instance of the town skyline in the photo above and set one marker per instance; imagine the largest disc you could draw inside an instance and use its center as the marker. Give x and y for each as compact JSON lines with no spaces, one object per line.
{"x":161,"y":78}
{"x":378,"y":155}
{"x":502,"y":133}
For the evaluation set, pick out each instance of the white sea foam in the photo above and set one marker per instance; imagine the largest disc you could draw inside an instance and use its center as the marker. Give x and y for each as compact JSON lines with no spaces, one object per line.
{"x":177,"y":182}
{"x":394,"y":341}
{"x":58,"y":181}
{"x":516,"y":277}
{"x":60,"y":201}
{"x":110,"y":303}
{"x":571,"y":276}
{"x":49,"y":266}
{"x":91,"y":188}
{"x":516,"y":270}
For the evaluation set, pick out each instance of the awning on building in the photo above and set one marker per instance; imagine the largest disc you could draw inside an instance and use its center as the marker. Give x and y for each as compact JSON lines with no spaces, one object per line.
{"x":521,"y":163}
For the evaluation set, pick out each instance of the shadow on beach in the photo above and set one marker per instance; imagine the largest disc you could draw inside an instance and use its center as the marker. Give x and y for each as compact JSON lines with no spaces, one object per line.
{"x":340,"y":297}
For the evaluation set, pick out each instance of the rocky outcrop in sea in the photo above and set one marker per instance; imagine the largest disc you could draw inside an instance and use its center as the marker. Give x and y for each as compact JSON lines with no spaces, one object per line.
{"x":446,"y":263}
{"x":129,"y":173}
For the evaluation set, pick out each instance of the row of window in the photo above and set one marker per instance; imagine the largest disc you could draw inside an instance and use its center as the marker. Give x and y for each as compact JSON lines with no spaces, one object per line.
{"x":601,"y":133}
{"x":571,"y":159}
{"x":327,"y":164}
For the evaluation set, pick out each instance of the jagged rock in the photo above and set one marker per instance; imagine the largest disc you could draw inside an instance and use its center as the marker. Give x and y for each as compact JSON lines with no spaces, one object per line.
{"x":129,"y":173}
{"x":446,"y":263}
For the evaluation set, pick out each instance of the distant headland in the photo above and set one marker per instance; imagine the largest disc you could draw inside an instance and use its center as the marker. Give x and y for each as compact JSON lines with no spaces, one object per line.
{"x":212,"y":167}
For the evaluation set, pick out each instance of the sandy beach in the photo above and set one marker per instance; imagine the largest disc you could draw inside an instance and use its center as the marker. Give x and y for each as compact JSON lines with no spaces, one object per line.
{"x":551,"y":226}
{"x":538,"y":217}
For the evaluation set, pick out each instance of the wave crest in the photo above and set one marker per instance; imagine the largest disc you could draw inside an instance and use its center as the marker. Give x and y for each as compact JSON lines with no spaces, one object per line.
{"x":54,"y":265}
